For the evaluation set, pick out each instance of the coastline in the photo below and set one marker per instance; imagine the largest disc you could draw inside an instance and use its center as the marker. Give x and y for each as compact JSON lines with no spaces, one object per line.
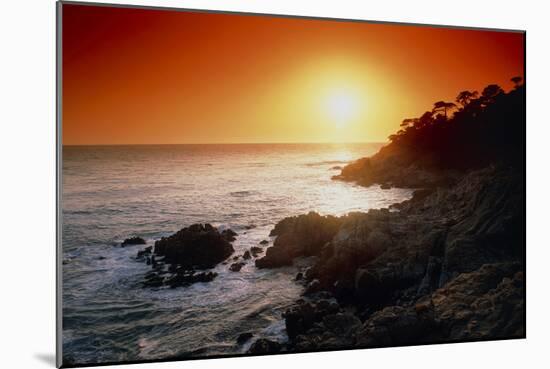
{"x":416,"y":272}
{"x":444,"y":266}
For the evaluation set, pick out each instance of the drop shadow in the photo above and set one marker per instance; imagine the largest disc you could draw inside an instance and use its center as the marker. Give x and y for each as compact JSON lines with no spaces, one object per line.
{"x":46,"y":358}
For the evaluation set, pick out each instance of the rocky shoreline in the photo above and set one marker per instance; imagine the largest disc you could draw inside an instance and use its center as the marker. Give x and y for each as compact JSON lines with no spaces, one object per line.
{"x":444,"y":266}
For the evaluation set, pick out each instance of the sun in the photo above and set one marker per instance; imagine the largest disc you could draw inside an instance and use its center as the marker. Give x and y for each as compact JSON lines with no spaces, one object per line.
{"x":341,"y":106}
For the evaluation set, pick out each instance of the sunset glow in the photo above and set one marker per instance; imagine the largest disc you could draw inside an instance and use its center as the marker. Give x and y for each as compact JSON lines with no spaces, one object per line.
{"x":342,"y":106}
{"x":135,"y":76}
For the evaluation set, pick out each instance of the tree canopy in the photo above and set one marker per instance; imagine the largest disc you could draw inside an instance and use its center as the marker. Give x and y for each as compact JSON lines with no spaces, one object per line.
{"x":477,"y":130}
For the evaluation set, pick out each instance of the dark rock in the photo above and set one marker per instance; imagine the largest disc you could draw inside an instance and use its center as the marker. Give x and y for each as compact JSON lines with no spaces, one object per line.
{"x":485,"y":304}
{"x":153,"y":280}
{"x":393,"y":165}
{"x":188,"y":278}
{"x":395,"y":325}
{"x":312,"y":287}
{"x":247,"y":255}
{"x":264,"y":346}
{"x":385,"y":186}
{"x":150,"y":274}
{"x":342,"y":324}
{"x":299,"y":276}
{"x":197,"y":246}
{"x":430,"y":281}
{"x":322,"y":295}
{"x":264,"y":242}
{"x":336,"y":167}
{"x":343,"y":289}
{"x":236,"y":267}
{"x":274,"y":258}
{"x":243,"y":337}
{"x":144,"y":252}
{"x":299,"y":319}
{"x":302,"y":316}
{"x":255,"y":250}
{"x":229,"y":235}
{"x":304,"y":235}
{"x":133,"y":241}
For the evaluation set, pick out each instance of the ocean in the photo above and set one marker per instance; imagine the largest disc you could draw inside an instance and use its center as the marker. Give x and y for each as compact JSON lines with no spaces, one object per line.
{"x":113,"y":192}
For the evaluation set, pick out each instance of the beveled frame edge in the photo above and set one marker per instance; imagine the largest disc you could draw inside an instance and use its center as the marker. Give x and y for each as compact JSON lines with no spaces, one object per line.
{"x":279,"y":15}
{"x":59,"y":186}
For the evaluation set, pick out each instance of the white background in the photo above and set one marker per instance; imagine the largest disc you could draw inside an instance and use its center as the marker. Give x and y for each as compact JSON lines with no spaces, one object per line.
{"x":27,"y":202}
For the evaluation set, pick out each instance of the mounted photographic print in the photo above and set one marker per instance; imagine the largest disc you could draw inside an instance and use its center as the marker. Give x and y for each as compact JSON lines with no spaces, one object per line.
{"x":248,"y":184}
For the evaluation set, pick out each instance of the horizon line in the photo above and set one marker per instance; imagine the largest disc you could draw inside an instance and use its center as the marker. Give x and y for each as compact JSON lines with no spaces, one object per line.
{"x":231,"y":143}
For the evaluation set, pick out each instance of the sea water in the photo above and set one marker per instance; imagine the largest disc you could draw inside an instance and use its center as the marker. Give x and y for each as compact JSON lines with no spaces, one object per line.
{"x":114,"y":192}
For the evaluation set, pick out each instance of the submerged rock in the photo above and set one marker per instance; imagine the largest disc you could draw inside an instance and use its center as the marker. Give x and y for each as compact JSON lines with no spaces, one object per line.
{"x":144,"y":252}
{"x":255,"y":251}
{"x":187,"y":278}
{"x":236,"y":267}
{"x":153,"y":280}
{"x":133,"y":241}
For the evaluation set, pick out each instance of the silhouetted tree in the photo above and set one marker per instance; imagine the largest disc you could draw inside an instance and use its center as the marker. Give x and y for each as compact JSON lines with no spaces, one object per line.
{"x":465,"y":97}
{"x":425,"y":120}
{"x":408,"y":122}
{"x":490,"y":93}
{"x":488,"y":128}
{"x":443,"y":106}
{"x":517,"y":81}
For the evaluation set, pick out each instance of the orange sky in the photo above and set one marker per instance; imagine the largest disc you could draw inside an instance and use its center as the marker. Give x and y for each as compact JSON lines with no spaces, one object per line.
{"x":136,"y":76}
